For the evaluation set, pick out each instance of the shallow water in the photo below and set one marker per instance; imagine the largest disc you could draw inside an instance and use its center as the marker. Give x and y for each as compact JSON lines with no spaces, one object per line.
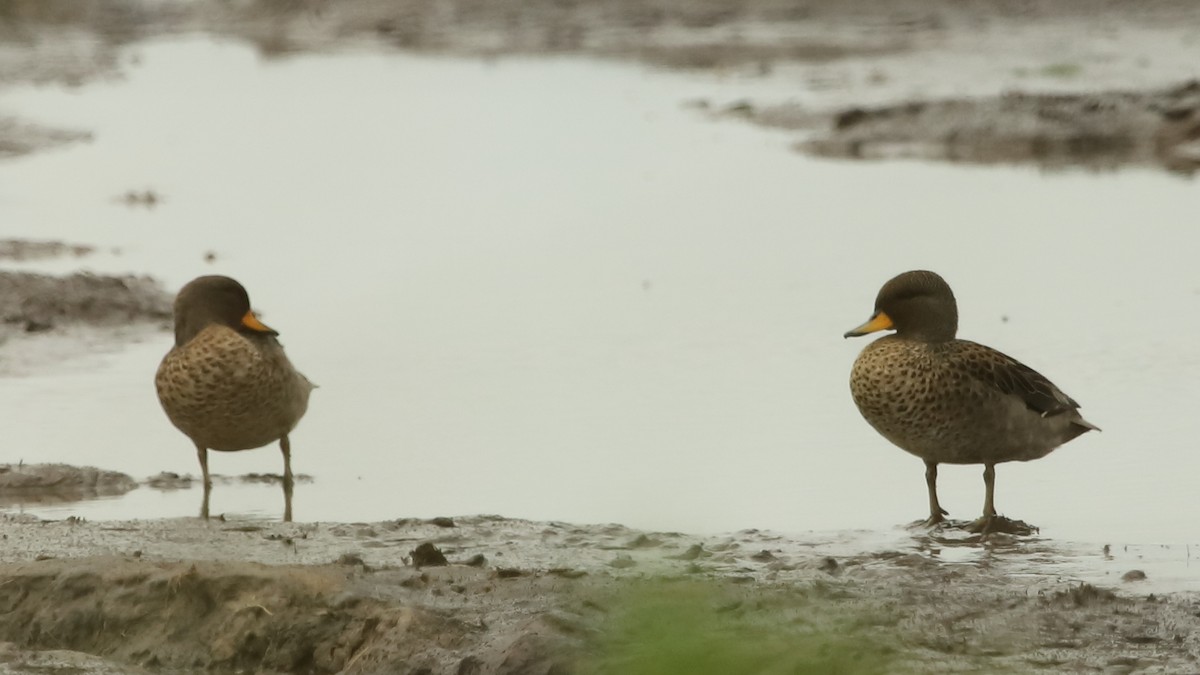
{"x":545,"y":288}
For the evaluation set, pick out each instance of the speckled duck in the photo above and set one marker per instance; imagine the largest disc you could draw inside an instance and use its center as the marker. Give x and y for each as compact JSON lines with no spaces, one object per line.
{"x":953,"y":401}
{"x":227,"y":383}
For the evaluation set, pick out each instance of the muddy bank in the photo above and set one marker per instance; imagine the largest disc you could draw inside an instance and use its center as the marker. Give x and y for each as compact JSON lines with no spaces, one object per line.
{"x":35,"y":303}
{"x":21,"y":138}
{"x":528,"y":597}
{"x":56,"y":483}
{"x":1100,"y":131}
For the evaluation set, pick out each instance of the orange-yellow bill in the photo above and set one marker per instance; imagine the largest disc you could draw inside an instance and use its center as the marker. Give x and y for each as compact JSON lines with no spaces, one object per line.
{"x":879,"y":321}
{"x":250,"y":321}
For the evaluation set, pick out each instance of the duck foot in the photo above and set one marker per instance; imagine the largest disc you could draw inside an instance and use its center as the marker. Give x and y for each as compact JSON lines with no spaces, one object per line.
{"x":930,"y":523}
{"x":1000,"y":525}
{"x":935,"y":519}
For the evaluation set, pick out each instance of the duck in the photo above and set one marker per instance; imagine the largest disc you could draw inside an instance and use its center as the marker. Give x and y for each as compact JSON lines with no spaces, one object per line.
{"x":227,"y":383}
{"x":953,"y":401}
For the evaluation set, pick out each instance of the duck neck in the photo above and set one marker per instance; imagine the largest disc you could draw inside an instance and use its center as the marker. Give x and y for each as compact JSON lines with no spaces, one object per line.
{"x":928,"y":322}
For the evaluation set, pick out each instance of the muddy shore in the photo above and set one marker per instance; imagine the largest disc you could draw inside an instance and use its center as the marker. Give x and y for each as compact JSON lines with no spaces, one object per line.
{"x":527,"y":597}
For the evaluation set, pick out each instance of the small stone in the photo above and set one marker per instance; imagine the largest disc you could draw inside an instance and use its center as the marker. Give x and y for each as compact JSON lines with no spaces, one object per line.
{"x":643,"y":541}
{"x":567,"y":572}
{"x":694,"y":552}
{"x":1134,"y":575}
{"x":428,"y":555}
{"x":622,"y":562}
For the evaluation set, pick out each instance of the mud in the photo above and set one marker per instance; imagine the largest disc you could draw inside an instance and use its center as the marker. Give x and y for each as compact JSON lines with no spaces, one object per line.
{"x":58,"y":483}
{"x":22,"y":250}
{"x":1100,"y":131}
{"x":528,"y":597}
{"x":25,"y":484}
{"x":21,"y":138}
{"x":36,"y":303}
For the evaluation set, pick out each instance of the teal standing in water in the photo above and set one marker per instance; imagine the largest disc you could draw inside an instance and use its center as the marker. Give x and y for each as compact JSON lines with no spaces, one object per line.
{"x":953,"y":401}
{"x":227,"y":383}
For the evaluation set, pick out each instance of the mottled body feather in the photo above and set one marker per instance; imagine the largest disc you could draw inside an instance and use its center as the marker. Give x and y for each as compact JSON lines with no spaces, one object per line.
{"x":960,"y":402}
{"x":229,"y":390}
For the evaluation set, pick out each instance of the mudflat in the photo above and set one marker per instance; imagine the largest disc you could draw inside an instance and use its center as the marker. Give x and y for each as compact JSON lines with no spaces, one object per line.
{"x":486,"y":594}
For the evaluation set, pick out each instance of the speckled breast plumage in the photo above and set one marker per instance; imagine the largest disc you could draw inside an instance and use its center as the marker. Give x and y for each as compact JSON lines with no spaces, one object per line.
{"x":925,"y":398}
{"x":230,"y":391}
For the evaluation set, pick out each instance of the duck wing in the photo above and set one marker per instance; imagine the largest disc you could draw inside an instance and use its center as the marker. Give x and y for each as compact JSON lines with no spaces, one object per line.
{"x":1009,"y":376}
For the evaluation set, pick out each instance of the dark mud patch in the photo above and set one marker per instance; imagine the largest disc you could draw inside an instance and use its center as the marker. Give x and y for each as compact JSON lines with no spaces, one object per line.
{"x":184,"y":596}
{"x":21,"y":138}
{"x":761,"y":57}
{"x":270,"y":478}
{"x":1097,"y":130}
{"x":169,"y":480}
{"x":24,"y":249}
{"x":59,"y":483}
{"x":148,"y":199}
{"x":34,"y":303}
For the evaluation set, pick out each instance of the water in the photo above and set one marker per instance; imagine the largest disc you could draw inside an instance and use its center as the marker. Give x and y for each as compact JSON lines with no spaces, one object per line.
{"x":544,"y":288}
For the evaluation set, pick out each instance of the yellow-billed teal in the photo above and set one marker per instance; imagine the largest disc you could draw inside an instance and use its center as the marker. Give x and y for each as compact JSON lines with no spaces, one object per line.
{"x":949,"y":400}
{"x":227,"y":383}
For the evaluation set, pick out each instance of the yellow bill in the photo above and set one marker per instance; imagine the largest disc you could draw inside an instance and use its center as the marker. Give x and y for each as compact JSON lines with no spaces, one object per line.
{"x":250,"y":321}
{"x":878,"y":322}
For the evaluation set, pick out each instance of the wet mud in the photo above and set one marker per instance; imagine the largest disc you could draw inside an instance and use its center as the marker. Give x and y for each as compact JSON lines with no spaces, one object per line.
{"x":37,"y":303}
{"x":512,"y":596}
{"x":19,"y":137}
{"x":23,"y":250}
{"x":1101,"y":131}
{"x":59,"y":483}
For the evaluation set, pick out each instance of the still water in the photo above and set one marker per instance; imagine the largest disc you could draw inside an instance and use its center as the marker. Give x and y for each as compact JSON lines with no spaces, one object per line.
{"x":547,"y":289}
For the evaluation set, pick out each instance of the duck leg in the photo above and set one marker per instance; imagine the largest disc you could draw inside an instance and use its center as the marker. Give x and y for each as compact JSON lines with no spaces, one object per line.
{"x":936,"y":512}
{"x":989,"y":484}
{"x":984,"y":524}
{"x":202,"y":454}
{"x":286,"y":447}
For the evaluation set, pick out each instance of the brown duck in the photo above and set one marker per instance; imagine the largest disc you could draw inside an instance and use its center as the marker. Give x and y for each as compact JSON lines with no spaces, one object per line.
{"x":227,"y":383}
{"x":949,"y":400}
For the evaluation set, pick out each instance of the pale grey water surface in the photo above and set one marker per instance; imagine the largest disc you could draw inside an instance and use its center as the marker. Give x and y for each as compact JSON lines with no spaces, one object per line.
{"x":544,"y":288}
